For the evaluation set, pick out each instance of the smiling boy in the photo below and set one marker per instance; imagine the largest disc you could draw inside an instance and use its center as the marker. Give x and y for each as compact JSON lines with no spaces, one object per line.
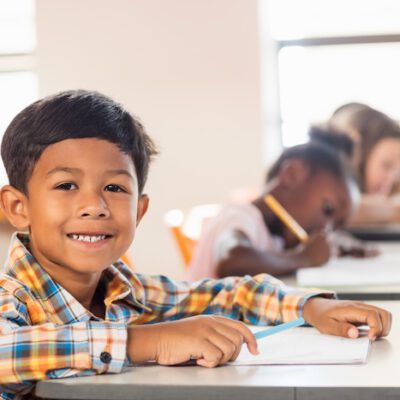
{"x":77,"y":164}
{"x":74,"y":232}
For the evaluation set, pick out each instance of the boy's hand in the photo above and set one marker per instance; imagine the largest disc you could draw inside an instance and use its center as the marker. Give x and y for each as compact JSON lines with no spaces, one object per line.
{"x":210,"y":340}
{"x":341,"y":318}
{"x":317,"y":250}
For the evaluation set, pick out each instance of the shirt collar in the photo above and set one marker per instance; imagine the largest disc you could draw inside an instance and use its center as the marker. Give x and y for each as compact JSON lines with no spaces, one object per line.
{"x":121,"y":285}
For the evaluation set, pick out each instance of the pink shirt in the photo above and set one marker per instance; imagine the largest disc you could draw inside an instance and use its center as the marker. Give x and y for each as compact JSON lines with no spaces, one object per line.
{"x":245,"y":218}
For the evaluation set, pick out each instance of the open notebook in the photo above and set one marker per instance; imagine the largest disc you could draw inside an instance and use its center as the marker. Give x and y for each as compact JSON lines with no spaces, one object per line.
{"x":381,"y":270}
{"x":306,"y":346}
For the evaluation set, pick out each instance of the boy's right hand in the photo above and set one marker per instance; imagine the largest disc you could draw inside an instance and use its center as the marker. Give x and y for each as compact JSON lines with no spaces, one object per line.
{"x":317,"y":250}
{"x":210,"y":340}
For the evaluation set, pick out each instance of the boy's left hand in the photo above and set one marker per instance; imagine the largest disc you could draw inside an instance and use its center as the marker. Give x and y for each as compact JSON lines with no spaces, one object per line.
{"x":341,"y":318}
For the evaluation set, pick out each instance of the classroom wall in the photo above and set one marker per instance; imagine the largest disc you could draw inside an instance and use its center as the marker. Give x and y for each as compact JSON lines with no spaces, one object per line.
{"x":190,"y":69}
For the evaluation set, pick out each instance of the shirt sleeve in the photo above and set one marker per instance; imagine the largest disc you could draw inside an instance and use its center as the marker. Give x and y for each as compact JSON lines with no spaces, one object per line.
{"x":31,"y":353}
{"x":258,"y":300}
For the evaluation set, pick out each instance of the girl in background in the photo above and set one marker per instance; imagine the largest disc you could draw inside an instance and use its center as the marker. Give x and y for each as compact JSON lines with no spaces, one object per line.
{"x":375,"y":159}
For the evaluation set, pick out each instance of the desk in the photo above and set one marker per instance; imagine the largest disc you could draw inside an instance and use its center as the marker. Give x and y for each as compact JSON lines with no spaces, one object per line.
{"x":379,"y":378}
{"x":366,"y":292}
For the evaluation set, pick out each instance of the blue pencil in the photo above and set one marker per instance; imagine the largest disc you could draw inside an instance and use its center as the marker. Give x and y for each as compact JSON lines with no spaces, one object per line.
{"x":279,"y":328}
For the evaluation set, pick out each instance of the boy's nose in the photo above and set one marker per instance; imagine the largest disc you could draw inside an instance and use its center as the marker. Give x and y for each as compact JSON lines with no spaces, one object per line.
{"x":94,"y":207}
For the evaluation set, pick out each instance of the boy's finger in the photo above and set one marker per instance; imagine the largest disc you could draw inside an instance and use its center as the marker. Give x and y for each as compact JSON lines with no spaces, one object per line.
{"x":209,"y":356}
{"x":235,"y":355}
{"x":384,"y":315}
{"x":227,"y":347}
{"x":234,"y":336}
{"x":338,"y":328}
{"x":248,"y":336}
{"x":365,"y":315}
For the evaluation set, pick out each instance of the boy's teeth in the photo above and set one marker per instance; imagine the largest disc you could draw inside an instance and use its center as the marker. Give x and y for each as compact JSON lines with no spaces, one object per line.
{"x":87,"y":238}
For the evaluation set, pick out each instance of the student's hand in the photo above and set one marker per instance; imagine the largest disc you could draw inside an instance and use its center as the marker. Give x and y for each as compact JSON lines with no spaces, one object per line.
{"x":344,"y":244}
{"x":357,"y":251}
{"x":317,"y":250}
{"x":210,"y":340}
{"x":341,"y":318}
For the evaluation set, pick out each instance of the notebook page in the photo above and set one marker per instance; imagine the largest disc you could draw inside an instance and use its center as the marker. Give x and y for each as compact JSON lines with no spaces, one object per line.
{"x":306,"y":346}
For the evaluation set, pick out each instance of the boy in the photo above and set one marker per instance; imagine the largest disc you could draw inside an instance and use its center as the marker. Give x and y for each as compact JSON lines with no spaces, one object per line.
{"x":77,"y":164}
{"x":314,"y":185}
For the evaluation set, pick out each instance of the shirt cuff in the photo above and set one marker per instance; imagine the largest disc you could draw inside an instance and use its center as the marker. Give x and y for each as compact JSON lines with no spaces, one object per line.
{"x":294,"y":300}
{"x":304,"y":299}
{"x":107,"y":346}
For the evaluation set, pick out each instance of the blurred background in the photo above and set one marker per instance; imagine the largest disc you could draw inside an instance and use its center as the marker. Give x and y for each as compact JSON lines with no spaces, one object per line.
{"x":221,"y":85}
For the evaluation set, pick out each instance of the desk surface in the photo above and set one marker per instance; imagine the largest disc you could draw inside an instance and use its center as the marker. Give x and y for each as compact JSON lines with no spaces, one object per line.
{"x":380,"y":377}
{"x":362,"y":292}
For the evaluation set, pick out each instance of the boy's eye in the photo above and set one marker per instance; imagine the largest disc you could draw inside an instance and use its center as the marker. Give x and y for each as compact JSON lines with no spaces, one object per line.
{"x":113,"y":188}
{"x":66,"y":186}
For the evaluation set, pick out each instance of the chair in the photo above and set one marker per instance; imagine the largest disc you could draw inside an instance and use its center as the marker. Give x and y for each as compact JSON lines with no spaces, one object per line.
{"x":186,"y":227}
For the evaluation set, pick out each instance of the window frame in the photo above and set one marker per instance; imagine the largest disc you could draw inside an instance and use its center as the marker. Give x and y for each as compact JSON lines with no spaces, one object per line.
{"x":325,"y":41}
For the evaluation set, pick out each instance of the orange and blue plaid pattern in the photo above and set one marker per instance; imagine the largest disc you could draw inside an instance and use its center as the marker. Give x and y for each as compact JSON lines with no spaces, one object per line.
{"x":46,"y":333}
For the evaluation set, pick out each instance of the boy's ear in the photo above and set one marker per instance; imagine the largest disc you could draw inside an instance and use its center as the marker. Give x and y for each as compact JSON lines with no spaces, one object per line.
{"x":14,"y":204}
{"x":143,"y":205}
{"x":294,"y":173}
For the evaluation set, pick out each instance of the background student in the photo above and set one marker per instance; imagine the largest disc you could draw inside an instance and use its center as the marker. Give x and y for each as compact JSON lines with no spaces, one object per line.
{"x":375,"y":160}
{"x":314,"y":185}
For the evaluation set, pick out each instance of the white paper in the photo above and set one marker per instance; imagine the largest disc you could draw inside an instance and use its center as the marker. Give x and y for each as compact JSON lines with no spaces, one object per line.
{"x":306,"y":346}
{"x":381,"y":270}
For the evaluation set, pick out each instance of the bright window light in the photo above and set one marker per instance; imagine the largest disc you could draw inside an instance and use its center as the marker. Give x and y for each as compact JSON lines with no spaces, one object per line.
{"x":291,"y":19}
{"x":314,"y":81}
{"x":317,"y":77}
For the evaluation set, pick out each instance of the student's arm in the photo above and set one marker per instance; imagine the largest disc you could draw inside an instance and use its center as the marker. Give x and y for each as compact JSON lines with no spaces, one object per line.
{"x":236,"y":256}
{"x":257,"y":300}
{"x":213,"y":340}
{"x":31,"y":353}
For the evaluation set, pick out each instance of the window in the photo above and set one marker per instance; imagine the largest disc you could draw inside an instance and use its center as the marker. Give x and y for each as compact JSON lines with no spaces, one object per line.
{"x":18,"y":80}
{"x":333,"y":52}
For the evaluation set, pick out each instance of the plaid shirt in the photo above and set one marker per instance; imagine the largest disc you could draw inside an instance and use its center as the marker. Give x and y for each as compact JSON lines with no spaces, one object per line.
{"x":46,"y":333}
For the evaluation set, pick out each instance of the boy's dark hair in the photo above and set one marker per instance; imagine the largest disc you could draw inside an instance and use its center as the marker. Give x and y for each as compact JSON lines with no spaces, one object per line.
{"x":319,"y":156}
{"x":72,"y":114}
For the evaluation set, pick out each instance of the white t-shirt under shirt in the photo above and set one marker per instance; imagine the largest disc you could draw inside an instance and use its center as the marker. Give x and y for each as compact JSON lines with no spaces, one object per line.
{"x":245,"y":218}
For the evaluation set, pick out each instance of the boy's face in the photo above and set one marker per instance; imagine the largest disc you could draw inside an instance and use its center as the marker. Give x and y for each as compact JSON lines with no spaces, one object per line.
{"x":321,"y":201}
{"x":82,"y":206}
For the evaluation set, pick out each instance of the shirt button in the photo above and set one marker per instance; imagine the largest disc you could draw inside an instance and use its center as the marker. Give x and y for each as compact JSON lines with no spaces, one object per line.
{"x":105,"y":357}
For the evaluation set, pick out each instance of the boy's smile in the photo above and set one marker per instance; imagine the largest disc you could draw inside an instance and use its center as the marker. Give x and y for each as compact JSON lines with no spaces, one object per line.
{"x":82,"y":210}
